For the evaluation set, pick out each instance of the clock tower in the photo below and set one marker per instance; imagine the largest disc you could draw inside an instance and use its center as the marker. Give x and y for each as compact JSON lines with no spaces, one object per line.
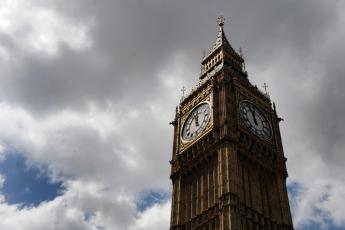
{"x":228,"y":168}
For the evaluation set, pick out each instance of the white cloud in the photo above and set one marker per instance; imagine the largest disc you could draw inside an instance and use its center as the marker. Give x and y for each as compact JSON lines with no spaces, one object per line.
{"x":298,"y":90}
{"x":85,"y":206}
{"x":155,"y":218}
{"x":115,"y":151}
{"x":92,"y":145}
{"x":36,"y":27}
{"x":61,"y":213}
{"x":319,"y":202}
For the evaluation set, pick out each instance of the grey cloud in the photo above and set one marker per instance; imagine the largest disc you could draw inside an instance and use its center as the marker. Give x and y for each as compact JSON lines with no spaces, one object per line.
{"x":132,"y":41}
{"x":326,"y":118}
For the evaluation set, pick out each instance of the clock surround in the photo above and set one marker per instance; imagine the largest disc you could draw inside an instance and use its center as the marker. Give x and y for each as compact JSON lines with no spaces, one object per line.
{"x":255,"y":120}
{"x":194,"y":125}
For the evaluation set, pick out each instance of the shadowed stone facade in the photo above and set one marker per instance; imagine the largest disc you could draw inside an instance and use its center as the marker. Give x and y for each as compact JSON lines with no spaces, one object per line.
{"x":228,"y":166}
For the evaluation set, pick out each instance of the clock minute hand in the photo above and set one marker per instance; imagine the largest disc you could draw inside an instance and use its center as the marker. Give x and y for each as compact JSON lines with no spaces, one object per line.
{"x":197,"y":119}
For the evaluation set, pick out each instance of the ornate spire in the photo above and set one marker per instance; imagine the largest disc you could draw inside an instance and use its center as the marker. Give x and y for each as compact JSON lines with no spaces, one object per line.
{"x":221,"y":21}
{"x":221,"y":38}
{"x":221,"y":52}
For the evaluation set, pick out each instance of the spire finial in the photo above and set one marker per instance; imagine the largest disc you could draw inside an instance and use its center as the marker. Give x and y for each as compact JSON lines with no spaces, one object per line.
{"x":182,"y":95}
{"x":221,"y":21}
{"x":242,"y":56}
{"x":265,"y":86}
{"x":241,"y":52}
{"x":183,"y":90}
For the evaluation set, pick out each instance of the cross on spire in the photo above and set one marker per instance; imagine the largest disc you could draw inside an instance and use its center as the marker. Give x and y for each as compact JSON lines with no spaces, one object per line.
{"x":223,"y":47}
{"x":265,"y":86}
{"x":221,"y":20}
{"x":183,"y":90}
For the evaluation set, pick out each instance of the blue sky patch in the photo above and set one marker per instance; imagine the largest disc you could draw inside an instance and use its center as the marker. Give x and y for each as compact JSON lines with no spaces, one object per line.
{"x":316,"y":226}
{"x":294,"y":190}
{"x":26,"y":185}
{"x":152,"y":197}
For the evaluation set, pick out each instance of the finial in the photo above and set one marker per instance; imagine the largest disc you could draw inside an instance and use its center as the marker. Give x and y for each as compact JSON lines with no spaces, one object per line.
{"x":243,"y":64}
{"x":183,"y":90}
{"x":221,"y":20}
{"x":182,"y":96}
{"x":241,"y":52}
{"x":265,"y":86}
{"x":202,"y":58}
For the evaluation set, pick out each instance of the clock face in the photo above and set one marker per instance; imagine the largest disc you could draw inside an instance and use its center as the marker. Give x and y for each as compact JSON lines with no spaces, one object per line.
{"x":196,"y":122}
{"x":255,"y":120}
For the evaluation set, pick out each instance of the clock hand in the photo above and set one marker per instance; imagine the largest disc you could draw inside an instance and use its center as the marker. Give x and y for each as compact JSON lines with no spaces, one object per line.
{"x":254,"y":117}
{"x":197,"y":119}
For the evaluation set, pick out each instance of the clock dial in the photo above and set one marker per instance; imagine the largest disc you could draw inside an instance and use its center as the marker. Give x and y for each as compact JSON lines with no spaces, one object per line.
{"x":255,"y":120}
{"x":196,"y":122}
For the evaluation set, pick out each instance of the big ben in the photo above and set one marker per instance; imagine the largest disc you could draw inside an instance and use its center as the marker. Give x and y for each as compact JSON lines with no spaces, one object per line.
{"x":228,"y":167}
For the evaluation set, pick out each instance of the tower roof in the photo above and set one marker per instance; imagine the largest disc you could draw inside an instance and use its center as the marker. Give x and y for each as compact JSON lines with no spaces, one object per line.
{"x":222,"y":41}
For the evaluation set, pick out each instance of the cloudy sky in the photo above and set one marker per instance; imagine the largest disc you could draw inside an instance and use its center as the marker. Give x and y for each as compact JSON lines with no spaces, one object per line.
{"x":87,"y":89}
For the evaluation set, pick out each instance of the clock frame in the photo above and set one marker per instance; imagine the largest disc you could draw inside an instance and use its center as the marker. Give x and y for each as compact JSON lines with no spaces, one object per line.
{"x":203,"y":108}
{"x":265,"y":131}
{"x":244,"y":94}
{"x":184,"y":144}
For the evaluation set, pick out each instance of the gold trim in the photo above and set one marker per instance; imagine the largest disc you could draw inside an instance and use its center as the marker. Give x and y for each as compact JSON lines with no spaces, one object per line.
{"x":185,"y":144}
{"x":187,"y":116}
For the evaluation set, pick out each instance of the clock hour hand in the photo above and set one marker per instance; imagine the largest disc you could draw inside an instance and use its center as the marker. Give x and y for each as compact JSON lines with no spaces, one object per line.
{"x":254,"y":117}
